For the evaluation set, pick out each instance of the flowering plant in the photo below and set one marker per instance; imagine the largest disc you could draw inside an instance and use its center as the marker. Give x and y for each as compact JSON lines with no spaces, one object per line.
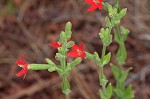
{"x":115,"y":14}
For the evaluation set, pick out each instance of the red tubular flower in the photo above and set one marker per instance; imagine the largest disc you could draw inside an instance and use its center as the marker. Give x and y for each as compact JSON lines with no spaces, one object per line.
{"x":22,"y":63}
{"x":55,"y":44}
{"x":94,"y":4}
{"x":78,"y":51}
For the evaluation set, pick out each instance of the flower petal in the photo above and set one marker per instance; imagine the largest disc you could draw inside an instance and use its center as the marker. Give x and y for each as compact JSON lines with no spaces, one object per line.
{"x":73,"y":54}
{"x":83,"y":54}
{"x":100,"y":0}
{"x":100,"y":6}
{"x":23,"y":71}
{"x":93,"y":7}
{"x":18,"y":62}
{"x":75,"y":47}
{"x":55,"y":44}
{"x":82,"y":46}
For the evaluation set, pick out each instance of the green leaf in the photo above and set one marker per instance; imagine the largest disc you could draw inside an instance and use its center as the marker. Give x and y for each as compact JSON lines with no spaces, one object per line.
{"x":129,"y":93}
{"x":39,"y":66}
{"x":113,"y":12}
{"x":110,"y":9}
{"x":52,"y":68}
{"x":103,"y":80}
{"x":105,"y":5}
{"x":66,"y":87}
{"x":116,"y":36}
{"x":97,"y":58}
{"x":122,"y":13}
{"x":108,"y":23}
{"x":68,"y":30}
{"x":102,"y":95}
{"x":74,"y":63}
{"x":121,"y":54}
{"x":119,"y":93}
{"x":109,"y":91}
{"x":115,"y":21}
{"x":49,"y":61}
{"x":106,"y":59}
{"x":124,"y":33}
{"x":63,"y":38}
{"x":89,"y":56}
{"x":124,"y":75}
{"x":116,"y":72}
{"x":59,"y":56}
{"x":105,"y":36}
{"x":70,"y":44}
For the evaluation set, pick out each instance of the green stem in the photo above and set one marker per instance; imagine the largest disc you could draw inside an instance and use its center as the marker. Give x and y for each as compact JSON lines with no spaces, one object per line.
{"x":103,"y":51}
{"x":63,"y":64}
{"x":67,"y":96}
{"x":39,"y":66}
{"x":101,"y":67}
{"x":117,"y":2}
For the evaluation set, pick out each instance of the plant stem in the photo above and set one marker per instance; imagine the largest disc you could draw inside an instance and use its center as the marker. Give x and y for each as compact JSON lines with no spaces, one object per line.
{"x":101,"y":67}
{"x":67,"y":96}
{"x":117,"y":2}
{"x":63,"y":64}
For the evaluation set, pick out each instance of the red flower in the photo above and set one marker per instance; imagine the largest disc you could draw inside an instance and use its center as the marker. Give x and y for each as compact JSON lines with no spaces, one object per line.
{"x":94,"y":4}
{"x":55,"y":44}
{"x":78,"y":51}
{"x":22,"y":63}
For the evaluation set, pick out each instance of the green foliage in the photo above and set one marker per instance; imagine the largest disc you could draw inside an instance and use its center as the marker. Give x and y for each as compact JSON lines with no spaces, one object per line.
{"x":73,"y":64}
{"x":66,"y":87}
{"x":105,"y":36}
{"x":121,"y":54}
{"x":70,"y":44}
{"x":114,"y":13}
{"x":120,"y":91}
{"x":103,"y":80}
{"x":49,"y":61}
{"x":97,"y":58}
{"x":116,"y":71}
{"x":122,"y":35}
{"x":64,"y":68}
{"x":39,"y":66}
{"x":106,"y":59}
{"x":108,"y":22}
{"x":90,"y":56}
{"x":126,"y":93}
{"x":68,"y":30}
{"x":120,"y":75}
{"x":107,"y":93}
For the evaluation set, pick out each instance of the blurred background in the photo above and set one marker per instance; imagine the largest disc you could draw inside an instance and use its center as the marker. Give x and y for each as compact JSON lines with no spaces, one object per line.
{"x":28,"y":26}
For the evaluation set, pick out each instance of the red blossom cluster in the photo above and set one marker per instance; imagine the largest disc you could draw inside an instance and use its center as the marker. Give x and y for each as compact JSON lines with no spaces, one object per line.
{"x":78,"y":51}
